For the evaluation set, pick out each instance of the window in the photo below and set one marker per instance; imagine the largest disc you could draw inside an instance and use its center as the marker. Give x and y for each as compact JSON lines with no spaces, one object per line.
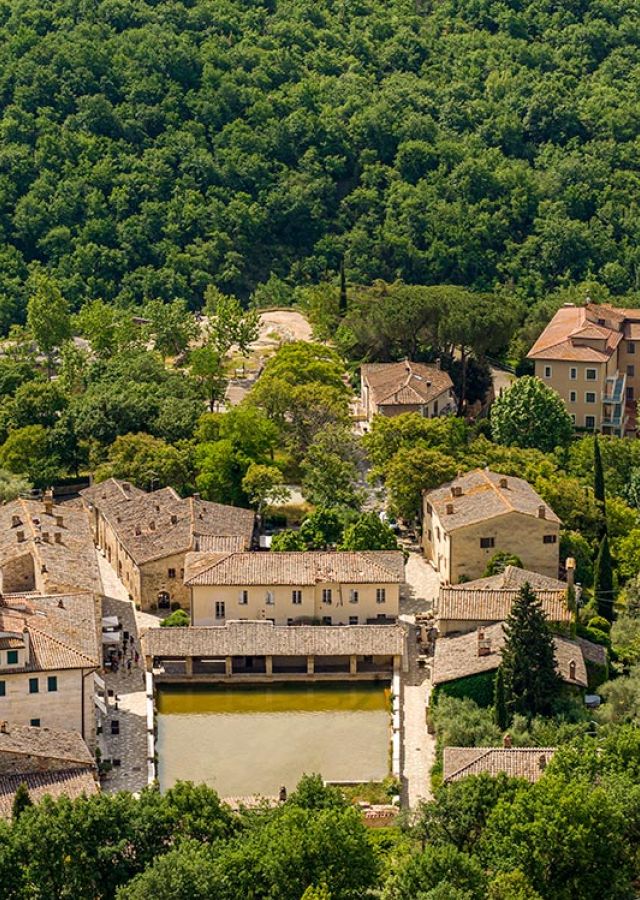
{"x":243,"y":599}
{"x":12,"y":657}
{"x":353,"y":620}
{"x":326,"y":620}
{"x":220,"y":609}
{"x":590,"y":397}
{"x":573,"y":417}
{"x":590,"y":374}
{"x":3,"y":688}
{"x":547,"y":371}
{"x":573,"y":373}
{"x":289,"y":621}
{"x":52,"y":683}
{"x":171,"y":573}
{"x":631,"y":371}
{"x":326,"y":595}
{"x":629,"y":393}
{"x":353,"y":596}
{"x":115,"y":726}
{"x":33,"y":686}
{"x":550,"y":539}
{"x":429,"y":509}
{"x":381,"y":595}
{"x":296,"y":597}
{"x":572,"y":396}
{"x":35,"y":723}
{"x":589,"y":422}
{"x":269,"y":599}
{"x":631,"y":347}
{"x":487,"y":543}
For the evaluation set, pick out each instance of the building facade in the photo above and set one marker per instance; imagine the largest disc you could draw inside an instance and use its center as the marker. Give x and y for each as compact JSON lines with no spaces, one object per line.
{"x":468,"y":520}
{"x":590,"y":355}
{"x":390,"y":389}
{"x":331,"y":588}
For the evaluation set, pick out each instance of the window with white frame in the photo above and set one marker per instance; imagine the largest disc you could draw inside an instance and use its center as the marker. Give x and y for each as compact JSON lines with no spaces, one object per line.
{"x":547,"y":371}
{"x":269,"y":598}
{"x":243,"y":598}
{"x":220,"y":609}
{"x":326,"y":595}
{"x":353,"y":596}
{"x":296,"y":597}
{"x":572,"y":396}
{"x":591,"y":374}
{"x":589,"y":422}
{"x":590,"y":397}
{"x":381,"y":595}
{"x":573,"y":373}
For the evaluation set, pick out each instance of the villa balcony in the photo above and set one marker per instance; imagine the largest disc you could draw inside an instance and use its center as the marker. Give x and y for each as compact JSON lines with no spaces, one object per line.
{"x":614,"y":389}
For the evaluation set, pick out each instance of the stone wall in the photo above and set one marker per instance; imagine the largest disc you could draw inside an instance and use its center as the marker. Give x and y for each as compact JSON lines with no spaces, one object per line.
{"x":17,"y":763}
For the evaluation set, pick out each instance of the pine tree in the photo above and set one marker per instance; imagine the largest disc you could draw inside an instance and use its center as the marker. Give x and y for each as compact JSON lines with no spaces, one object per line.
{"x":531,"y":681}
{"x":603,"y":580}
{"x":21,"y":801}
{"x":599,"y":489}
{"x":500,"y":714}
{"x":343,"y":289}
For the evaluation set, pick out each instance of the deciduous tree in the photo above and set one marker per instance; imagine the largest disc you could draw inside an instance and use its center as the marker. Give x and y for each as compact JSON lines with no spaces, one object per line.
{"x":531,"y":414}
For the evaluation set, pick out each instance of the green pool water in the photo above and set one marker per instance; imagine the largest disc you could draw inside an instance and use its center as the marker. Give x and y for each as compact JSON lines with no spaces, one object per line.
{"x":252,"y":740}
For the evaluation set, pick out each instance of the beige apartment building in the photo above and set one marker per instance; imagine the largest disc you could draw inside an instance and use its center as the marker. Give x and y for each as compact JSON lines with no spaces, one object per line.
{"x":590,"y":355}
{"x":331,"y":588}
{"x":390,"y":389}
{"x":145,"y":537}
{"x":468,"y":520}
{"x":49,"y":654}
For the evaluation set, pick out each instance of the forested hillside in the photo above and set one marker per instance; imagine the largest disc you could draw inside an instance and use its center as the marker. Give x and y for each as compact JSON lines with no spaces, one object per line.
{"x":150,"y":148}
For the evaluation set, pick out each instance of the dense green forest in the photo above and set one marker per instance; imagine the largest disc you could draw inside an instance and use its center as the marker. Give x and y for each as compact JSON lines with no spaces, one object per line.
{"x":148,"y":149}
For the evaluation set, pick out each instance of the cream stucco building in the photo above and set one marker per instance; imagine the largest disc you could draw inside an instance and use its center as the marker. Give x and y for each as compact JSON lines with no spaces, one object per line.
{"x":332,"y":588}
{"x":468,"y":520}
{"x":590,"y":355}
{"x":390,"y":389}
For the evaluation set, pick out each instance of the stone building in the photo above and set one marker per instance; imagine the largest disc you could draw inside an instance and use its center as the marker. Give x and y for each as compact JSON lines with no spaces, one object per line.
{"x":145,"y":536}
{"x":46,"y":761}
{"x":468,"y":520}
{"x":334,"y":588}
{"x":390,"y":389}
{"x":49,"y":654}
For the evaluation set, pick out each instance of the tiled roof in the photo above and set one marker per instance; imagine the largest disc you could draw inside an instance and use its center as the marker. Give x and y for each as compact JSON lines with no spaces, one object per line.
{"x":260,"y":638}
{"x":405,"y":382}
{"x":63,"y":631}
{"x":72,"y":783}
{"x":10,"y":643}
{"x":491,"y":599}
{"x":152,"y":526}
{"x":516,"y":762}
{"x":558,"y":340}
{"x":457,"y":656}
{"x":65,"y":563}
{"x":220,"y":543}
{"x":483,"y":497}
{"x":593,"y":653}
{"x":295,"y":568}
{"x":48,"y":743}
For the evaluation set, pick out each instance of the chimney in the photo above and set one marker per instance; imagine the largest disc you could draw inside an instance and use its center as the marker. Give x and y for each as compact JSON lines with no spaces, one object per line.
{"x":43,"y":569}
{"x":45,"y":537}
{"x":3,"y":727}
{"x":27,"y":644}
{"x":507,"y":742}
{"x":449,"y":509}
{"x":572,"y":670}
{"x":16,"y":521}
{"x":174,"y":519}
{"x":48,"y":502}
{"x":126,"y":486}
{"x":504,"y":483}
{"x":570,"y":566}
{"x":59,"y":521}
{"x":138,"y":529}
{"x":196,"y":496}
{"x":20,"y":536}
{"x":542,"y":762}
{"x":484,"y":643}
{"x":57,"y":537}
{"x":456,"y":490}
{"x":542,"y":512}
{"x":152,"y":525}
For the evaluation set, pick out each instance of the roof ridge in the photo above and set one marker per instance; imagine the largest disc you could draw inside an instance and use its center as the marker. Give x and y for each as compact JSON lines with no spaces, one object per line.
{"x":487,"y":751}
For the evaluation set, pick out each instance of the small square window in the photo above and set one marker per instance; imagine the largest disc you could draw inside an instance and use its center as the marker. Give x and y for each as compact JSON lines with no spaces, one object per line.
{"x":171,"y":573}
{"x":590,"y":397}
{"x":631,"y":347}
{"x":243,"y":598}
{"x":52,"y":683}
{"x":572,"y":396}
{"x":631,"y":371}
{"x":34,"y":687}
{"x":589,"y":422}
{"x":3,"y":688}
{"x":35,"y":723}
{"x":487,"y":542}
{"x":573,"y":373}
{"x":547,"y":371}
{"x":629,"y":393}
{"x":550,"y":539}
{"x":326,"y":620}
{"x":381,"y":595}
{"x":289,"y":621}
{"x":296,"y":597}
{"x":591,"y":374}
{"x":12,"y":657}
{"x":326,"y":595}
{"x":353,"y":596}
{"x":353,"y":620}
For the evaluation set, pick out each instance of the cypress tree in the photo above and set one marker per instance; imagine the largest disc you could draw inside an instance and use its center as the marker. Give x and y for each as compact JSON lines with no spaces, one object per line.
{"x":599,"y":489}
{"x":21,"y":801}
{"x":531,"y":681}
{"x":343,"y":288}
{"x":603,"y":580}
{"x":500,"y":714}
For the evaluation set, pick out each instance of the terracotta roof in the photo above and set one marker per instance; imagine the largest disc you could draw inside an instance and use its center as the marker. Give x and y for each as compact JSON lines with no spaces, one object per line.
{"x":491,"y":599}
{"x":483,"y":497}
{"x":457,"y":656}
{"x":260,"y":638}
{"x":516,"y":762}
{"x":62,"y":631}
{"x":60,"y":544}
{"x":405,"y":382}
{"x":71,"y":783}
{"x":570,"y":324}
{"x":158,"y":524}
{"x":220,"y":543}
{"x":296,"y":568}
{"x":48,"y":743}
